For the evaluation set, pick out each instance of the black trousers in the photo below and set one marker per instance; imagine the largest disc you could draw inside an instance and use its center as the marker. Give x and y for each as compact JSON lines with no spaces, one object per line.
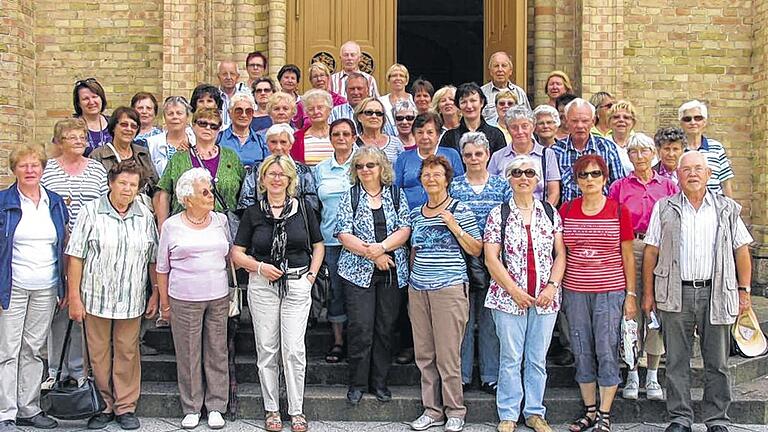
{"x":371,"y":316}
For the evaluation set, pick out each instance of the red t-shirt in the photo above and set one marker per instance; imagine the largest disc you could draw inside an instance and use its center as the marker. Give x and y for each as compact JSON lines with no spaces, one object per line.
{"x":593,"y":260}
{"x":531,"y":265}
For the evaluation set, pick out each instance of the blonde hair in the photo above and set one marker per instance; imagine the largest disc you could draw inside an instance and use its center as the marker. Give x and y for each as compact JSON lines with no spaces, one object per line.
{"x":317,"y":94}
{"x":435,"y":105}
{"x":377,"y":156}
{"x":289,"y":169}
{"x":20,"y":153}
{"x":241,"y":97}
{"x":278,"y":97}
{"x":624,"y":105}
{"x":319,"y":66}
{"x":562,"y":75}
{"x":397,"y":67}
{"x":66,"y":125}
{"x":505,"y":94}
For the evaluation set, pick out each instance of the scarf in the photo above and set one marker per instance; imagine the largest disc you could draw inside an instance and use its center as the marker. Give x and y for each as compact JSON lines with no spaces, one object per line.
{"x":279,"y":241}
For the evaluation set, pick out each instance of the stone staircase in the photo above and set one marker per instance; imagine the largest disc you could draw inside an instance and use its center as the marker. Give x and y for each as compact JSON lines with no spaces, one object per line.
{"x":325,"y":395}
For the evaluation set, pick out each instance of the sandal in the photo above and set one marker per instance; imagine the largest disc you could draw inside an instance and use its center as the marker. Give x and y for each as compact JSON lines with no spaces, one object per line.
{"x":585,"y":422}
{"x":603,"y":422}
{"x":335,"y":354}
{"x":299,"y":423}
{"x":273,"y":422}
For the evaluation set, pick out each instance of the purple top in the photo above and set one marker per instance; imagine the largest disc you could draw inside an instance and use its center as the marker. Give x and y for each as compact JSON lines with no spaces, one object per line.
{"x":212,"y":165}
{"x":501,"y":159}
{"x":97,"y":139}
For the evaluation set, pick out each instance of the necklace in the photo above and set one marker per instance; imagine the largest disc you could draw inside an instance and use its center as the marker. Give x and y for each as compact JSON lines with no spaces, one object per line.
{"x":194,"y":222}
{"x":439,"y":205}
{"x":277,"y":206}
{"x":373,"y":195}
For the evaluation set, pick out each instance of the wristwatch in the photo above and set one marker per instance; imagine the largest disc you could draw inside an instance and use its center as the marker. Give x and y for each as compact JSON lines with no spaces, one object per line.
{"x":746,"y":289}
{"x":553,"y":283}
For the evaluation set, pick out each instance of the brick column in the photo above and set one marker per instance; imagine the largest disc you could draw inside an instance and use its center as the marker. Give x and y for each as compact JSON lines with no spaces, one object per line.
{"x":276,"y":31}
{"x":760,"y":143}
{"x":544,"y":54}
{"x":181,"y":52}
{"x":602,"y":45}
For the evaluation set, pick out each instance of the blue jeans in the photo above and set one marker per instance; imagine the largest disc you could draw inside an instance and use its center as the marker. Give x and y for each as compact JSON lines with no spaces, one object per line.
{"x":336,"y":311}
{"x":523,"y":336}
{"x":487,"y":340}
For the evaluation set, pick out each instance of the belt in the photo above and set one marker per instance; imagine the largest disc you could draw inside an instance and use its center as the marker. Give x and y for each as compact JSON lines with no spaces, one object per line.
{"x":701,"y":283}
{"x":296,"y":273}
{"x":640,"y":236}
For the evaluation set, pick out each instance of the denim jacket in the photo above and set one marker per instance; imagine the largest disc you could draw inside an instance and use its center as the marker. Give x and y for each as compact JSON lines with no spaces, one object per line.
{"x":10,"y":216}
{"x":359,"y":270}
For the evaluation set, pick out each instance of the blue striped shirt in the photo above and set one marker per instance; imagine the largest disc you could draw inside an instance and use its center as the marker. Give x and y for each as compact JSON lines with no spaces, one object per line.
{"x":495,"y":192}
{"x":567,"y":156}
{"x":718,"y":162}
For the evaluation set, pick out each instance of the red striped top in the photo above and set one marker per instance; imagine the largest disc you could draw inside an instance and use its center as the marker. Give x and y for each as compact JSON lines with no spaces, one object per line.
{"x":593,"y":243}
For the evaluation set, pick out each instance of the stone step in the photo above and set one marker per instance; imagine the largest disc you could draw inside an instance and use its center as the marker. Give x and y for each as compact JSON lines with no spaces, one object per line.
{"x":564,"y":404}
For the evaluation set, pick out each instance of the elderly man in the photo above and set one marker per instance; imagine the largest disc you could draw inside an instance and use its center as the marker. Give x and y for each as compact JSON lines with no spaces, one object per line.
{"x":580,"y":117}
{"x":356,"y":90}
{"x":229,"y":76}
{"x":350,"y":62}
{"x":500,"y":69}
{"x":697,"y":264}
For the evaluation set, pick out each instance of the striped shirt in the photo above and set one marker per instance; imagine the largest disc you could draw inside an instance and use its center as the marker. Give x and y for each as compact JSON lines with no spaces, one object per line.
{"x":339,"y":83}
{"x":439,"y":261}
{"x":697,"y":237}
{"x":76,"y":190}
{"x":593,"y":260}
{"x":489,"y":90}
{"x":116,"y":252}
{"x":316,"y":149}
{"x":567,"y":155}
{"x":493,"y":193}
{"x":392,"y":148}
{"x":717,"y":161}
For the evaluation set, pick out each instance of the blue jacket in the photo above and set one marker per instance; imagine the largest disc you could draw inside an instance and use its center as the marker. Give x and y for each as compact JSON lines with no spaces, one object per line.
{"x":10,"y":216}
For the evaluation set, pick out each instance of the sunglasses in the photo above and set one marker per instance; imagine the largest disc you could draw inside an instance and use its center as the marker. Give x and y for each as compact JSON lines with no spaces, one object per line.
{"x":341,"y":134}
{"x":371,"y":113}
{"x":477,"y":154}
{"x":206,"y":125}
{"x":128,"y":125}
{"x":369,"y":165}
{"x":405,"y":117}
{"x":247,"y":111}
{"x":263,"y":90}
{"x":85,"y":81}
{"x":517,"y":173}
{"x":594,"y":174}
{"x":687,"y":119}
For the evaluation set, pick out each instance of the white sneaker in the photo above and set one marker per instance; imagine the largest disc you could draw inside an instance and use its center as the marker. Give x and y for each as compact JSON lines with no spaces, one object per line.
{"x":48,"y":384}
{"x":215,"y":420}
{"x":425,"y":422}
{"x":653,"y":391}
{"x":630,"y":390}
{"x":454,"y":424}
{"x":190,"y":421}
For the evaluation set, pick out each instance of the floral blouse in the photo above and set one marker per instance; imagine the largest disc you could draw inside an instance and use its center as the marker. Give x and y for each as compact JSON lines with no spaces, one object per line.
{"x":516,"y":248}
{"x":359,"y":270}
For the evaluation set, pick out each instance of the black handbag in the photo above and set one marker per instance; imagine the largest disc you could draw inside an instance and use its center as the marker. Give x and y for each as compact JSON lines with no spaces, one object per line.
{"x":477,"y":273}
{"x":67,"y":401}
{"x":322,"y":283}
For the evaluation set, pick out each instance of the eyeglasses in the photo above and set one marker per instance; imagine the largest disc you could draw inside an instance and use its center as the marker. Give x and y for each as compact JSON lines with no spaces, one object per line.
{"x":246,"y":111}
{"x":207,"y":125}
{"x":517,"y":173}
{"x":371,"y":113}
{"x":263,"y":90}
{"x":545,"y":123}
{"x":435,"y":176}
{"x":405,"y":117}
{"x":205,"y":192}
{"x":341,"y":134}
{"x":687,"y":119}
{"x":640,"y":150}
{"x":594,"y":174}
{"x":75,"y":138}
{"x":256,"y":65}
{"x":275,"y":175}
{"x":477,"y":154}
{"x":128,"y":125}
{"x":369,"y":165}
{"x":506,"y":103}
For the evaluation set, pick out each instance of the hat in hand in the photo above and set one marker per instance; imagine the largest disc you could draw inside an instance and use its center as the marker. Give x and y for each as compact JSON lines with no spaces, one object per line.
{"x":748,"y":337}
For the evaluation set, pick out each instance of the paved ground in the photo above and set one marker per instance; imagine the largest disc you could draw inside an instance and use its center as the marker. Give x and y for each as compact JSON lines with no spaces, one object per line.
{"x":167,"y":425}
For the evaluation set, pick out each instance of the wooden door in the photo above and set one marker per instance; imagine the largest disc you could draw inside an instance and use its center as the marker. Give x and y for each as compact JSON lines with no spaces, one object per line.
{"x":317,"y":28}
{"x":506,"y":29}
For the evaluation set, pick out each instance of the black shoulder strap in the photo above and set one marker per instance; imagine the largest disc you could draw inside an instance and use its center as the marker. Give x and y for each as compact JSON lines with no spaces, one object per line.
{"x":303,"y":211}
{"x":505,"y":211}
{"x":355,"y":197}
{"x":395,"y":192}
{"x":544,"y":172}
{"x":549,"y":210}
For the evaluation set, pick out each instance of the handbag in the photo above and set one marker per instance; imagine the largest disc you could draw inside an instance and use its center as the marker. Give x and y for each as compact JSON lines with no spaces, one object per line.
{"x":477,"y":273}
{"x":235,"y":296}
{"x":319,"y":292}
{"x":67,"y":401}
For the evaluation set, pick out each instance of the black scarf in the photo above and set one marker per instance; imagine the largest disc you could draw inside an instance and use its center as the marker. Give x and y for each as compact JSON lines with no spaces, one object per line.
{"x":279,"y":241}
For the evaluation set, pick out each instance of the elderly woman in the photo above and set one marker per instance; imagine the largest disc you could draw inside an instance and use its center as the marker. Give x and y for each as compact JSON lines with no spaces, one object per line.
{"x":520,"y":123}
{"x":370,"y":116}
{"x":312,"y":144}
{"x":547,"y":124}
{"x":443,"y":230}
{"x":693,"y":119}
{"x":373,"y":227}
{"x":332,"y":179}
{"x":320,"y":78}
{"x":426,"y":129}
{"x":404,"y":114}
{"x":176,"y":136}
{"x":145,"y":104}
{"x":525,"y":254}
{"x":443,"y":104}
{"x":192,"y":282}
{"x":207,"y":96}
{"x":623,"y":119}
{"x":280,"y":244}
{"x":471,"y":100}
{"x":603,"y":102}
{"x":281,"y":108}
{"x":289,"y":77}
{"x":32,"y":278}
{"x":78,"y":180}
{"x":422,"y":91}
{"x":256,"y":66}
{"x":238,"y":137}
{"x":223,"y":164}
{"x":480,"y":191}
{"x":397,"y":78}
{"x":598,"y":236}
{"x":124,"y":126}
{"x":638,"y":192}
{"x":111,"y":252}
{"x":670,"y":143}
{"x":90,"y":101}
{"x":505,"y":100}
{"x":262,"y":89}
{"x":557,"y":84}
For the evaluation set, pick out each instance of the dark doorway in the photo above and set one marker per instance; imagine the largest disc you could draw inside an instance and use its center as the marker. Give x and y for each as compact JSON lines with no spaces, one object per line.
{"x":441,"y":40}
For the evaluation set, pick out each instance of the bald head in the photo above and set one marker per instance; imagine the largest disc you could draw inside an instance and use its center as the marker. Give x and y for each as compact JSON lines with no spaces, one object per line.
{"x":228,"y":75}
{"x":350,"y":56}
{"x":693,"y":173}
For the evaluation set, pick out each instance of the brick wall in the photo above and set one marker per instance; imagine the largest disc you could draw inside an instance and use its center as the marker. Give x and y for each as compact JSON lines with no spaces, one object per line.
{"x":759,"y":115}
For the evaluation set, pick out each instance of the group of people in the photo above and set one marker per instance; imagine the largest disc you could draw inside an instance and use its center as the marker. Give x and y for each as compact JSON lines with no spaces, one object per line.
{"x":460,"y":220}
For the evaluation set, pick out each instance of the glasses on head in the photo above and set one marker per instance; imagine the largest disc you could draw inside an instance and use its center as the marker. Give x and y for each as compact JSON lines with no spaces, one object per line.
{"x":687,"y":119}
{"x":208,"y":125}
{"x":275,"y":175}
{"x":369,"y":165}
{"x":246,"y":111}
{"x":263,"y":90}
{"x":370,"y":113}
{"x":341,"y":134}
{"x":128,"y":125}
{"x":85,"y":81}
{"x":609,"y":105}
{"x":470,"y":155}
{"x":528,"y":173}
{"x":405,"y":118}
{"x":594,"y":174}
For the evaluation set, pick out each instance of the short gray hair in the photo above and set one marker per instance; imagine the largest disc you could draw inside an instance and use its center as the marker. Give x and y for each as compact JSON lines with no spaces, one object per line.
{"x":242,"y":97}
{"x":317,"y":94}
{"x":519,"y":112}
{"x":185,"y":185}
{"x":640,"y":141}
{"x":520,"y":161}
{"x":177,"y":100}
{"x":404,"y":105}
{"x":579,"y":103}
{"x":692,"y":105}
{"x":476,"y":138}
{"x":547,"y":110}
{"x":278,"y":129}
